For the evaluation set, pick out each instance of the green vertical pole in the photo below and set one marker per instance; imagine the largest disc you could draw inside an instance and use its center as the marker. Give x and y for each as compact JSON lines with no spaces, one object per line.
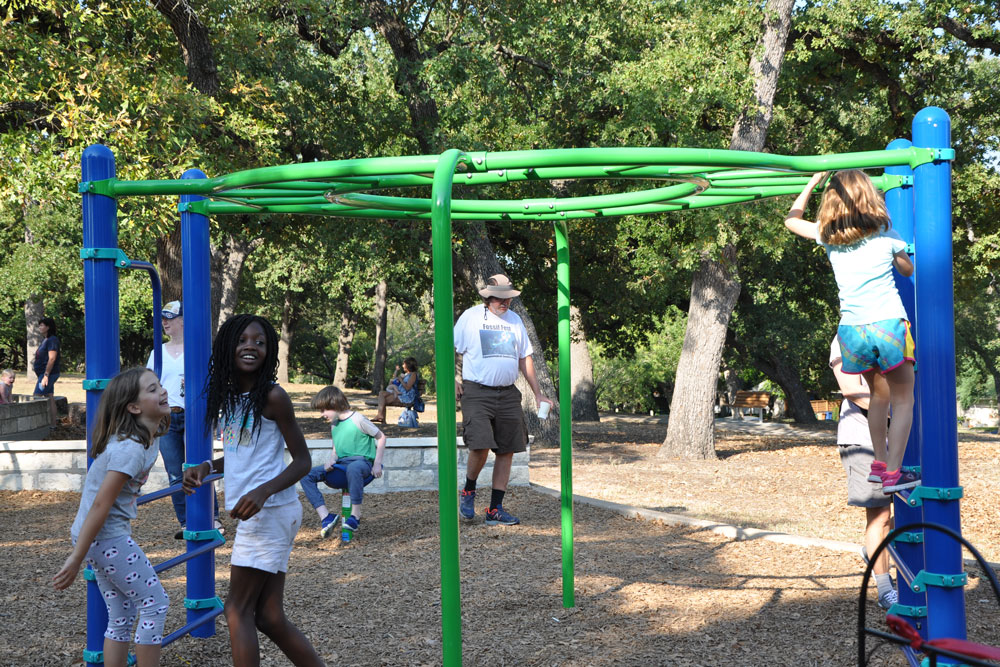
{"x":565,"y":410}
{"x":444,"y":357}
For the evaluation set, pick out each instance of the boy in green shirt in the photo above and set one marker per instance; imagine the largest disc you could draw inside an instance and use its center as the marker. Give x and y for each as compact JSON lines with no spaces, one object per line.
{"x":358,"y":445}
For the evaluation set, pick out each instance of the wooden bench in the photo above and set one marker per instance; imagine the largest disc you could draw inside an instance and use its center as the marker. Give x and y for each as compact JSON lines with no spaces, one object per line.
{"x":822,"y":407}
{"x":753,"y":400}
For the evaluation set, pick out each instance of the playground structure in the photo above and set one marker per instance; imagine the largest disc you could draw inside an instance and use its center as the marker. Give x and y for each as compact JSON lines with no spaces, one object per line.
{"x":917,"y":183}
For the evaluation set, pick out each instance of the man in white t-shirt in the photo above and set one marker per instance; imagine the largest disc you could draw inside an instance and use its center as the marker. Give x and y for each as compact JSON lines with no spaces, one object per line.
{"x":492,"y":349}
{"x":856,"y":455}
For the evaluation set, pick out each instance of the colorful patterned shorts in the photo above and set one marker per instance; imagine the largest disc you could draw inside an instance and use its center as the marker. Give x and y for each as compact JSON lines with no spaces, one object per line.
{"x":883,"y":345}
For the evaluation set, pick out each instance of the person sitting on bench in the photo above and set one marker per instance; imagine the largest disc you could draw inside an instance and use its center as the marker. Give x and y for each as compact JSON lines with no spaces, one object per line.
{"x":355,"y":459}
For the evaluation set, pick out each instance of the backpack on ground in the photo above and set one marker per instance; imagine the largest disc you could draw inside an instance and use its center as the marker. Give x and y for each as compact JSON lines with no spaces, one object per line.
{"x":408,"y":419}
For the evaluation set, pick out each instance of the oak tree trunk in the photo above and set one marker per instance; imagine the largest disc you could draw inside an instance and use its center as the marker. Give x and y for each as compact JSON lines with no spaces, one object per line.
{"x":715,"y":285}
{"x":786,"y":375}
{"x":584,"y":402}
{"x":170,"y":265}
{"x":348,"y":327}
{"x":285,"y":340}
{"x":227,"y":265}
{"x":381,"y":322}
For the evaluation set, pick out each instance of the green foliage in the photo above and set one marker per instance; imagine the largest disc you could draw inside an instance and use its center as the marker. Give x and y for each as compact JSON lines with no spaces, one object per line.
{"x":974,"y":386}
{"x":640,"y":379}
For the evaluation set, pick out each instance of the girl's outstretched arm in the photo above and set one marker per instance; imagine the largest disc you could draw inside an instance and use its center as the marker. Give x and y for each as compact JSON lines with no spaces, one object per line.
{"x":279,"y":410}
{"x":794,"y":220}
{"x":112,"y":485}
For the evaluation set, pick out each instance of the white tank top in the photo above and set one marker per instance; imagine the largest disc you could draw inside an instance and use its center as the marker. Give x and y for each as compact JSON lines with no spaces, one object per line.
{"x":253,"y":460}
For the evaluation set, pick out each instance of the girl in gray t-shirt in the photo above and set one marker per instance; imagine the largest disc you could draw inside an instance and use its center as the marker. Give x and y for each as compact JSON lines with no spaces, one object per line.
{"x":133,"y":413}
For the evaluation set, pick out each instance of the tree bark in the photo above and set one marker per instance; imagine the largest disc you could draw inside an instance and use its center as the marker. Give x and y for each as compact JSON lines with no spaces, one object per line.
{"x":227,"y":265}
{"x":690,"y":429}
{"x":381,"y":322}
{"x":584,"y":402}
{"x":348,"y":327}
{"x":170,"y":265}
{"x":715,"y":285}
{"x":285,"y":341}
{"x":777,"y":368}
{"x":196,"y":46}
{"x":482,"y":262}
{"x":34,"y":310}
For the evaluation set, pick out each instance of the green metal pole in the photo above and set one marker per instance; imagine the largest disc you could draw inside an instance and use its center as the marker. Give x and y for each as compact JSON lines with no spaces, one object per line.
{"x":565,"y":410}
{"x":444,"y":353}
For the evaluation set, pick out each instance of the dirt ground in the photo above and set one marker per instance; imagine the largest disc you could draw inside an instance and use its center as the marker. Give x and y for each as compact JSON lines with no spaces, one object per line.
{"x":646,"y":593}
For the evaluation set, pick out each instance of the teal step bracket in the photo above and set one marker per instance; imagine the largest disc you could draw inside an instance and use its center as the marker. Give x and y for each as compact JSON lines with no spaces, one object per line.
{"x":203,"y":603}
{"x":96,"y":385}
{"x":97,"y":657}
{"x":911,"y":537}
{"x":203,"y":535}
{"x":920,"y":493}
{"x":121,"y":259}
{"x":925,"y":579}
{"x":907,"y":610}
{"x":88,"y":574}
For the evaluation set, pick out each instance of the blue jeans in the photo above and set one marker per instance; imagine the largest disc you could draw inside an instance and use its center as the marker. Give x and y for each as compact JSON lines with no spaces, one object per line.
{"x":172,"y":450}
{"x":358,"y":475}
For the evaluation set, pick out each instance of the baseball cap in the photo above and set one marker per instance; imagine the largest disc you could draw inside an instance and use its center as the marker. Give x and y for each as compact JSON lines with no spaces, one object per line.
{"x":172,"y":310}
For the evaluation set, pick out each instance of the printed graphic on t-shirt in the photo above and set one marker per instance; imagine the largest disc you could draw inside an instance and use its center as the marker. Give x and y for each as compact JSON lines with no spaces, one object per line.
{"x":236,"y":432}
{"x":497,"y":342}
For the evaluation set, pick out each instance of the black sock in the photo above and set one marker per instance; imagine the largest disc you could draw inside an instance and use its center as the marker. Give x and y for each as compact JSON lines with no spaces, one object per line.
{"x":470,"y":484}
{"x":496,"y":499}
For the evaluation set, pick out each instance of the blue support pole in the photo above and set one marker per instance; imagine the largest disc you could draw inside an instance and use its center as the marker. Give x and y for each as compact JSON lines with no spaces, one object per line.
{"x":936,"y":380}
{"x":101,"y":331}
{"x":899,"y":201}
{"x":195,"y":259}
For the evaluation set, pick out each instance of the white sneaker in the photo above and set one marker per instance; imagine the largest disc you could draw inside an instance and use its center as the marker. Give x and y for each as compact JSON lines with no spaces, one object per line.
{"x":890,"y":598}
{"x":219,"y":527}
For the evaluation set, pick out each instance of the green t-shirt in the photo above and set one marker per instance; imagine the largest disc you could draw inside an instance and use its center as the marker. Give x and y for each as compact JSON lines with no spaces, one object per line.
{"x":349,"y":440}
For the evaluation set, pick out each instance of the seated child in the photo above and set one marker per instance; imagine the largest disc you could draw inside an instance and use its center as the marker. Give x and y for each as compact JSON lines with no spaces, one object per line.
{"x":6,"y":385}
{"x":358,"y":444}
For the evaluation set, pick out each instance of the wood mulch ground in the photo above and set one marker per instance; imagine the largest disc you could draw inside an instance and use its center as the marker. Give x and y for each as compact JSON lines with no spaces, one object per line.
{"x":646,"y":593}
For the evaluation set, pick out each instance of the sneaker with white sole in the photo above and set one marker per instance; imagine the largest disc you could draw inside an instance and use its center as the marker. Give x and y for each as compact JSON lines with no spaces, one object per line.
{"x":500,"y":516}
{"x":329,"y":524}
{"x":877,"y":469}
{"x":899,"y":480}
{"x":889,"y":598}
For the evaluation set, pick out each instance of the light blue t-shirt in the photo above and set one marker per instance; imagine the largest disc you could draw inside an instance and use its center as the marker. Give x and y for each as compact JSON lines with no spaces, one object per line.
{"x":864,"y":277}
{"x":127,"y":456}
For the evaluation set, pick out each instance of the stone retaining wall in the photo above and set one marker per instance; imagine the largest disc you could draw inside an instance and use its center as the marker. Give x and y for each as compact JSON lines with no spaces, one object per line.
{"x":25,"y":419}
{"x":411,"y":464}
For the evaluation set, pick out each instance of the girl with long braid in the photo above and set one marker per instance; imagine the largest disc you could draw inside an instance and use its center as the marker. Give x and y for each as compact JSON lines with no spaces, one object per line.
{"x":258,"y":423}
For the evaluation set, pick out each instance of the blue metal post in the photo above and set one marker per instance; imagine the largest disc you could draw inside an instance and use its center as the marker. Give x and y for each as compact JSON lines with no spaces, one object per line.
{"x":101,"y":330}
{"x":899,"y":201}
{"x":195,"y":259}
{"x":936,"y":379}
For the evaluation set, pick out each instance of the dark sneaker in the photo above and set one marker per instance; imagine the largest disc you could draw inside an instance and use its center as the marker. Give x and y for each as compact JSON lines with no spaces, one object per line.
{"x":467,"y":504}
{"x":179,"y":535}
{"x":502,"y":517}
{"x":899,"y":480}
{"x":329,"y":524}
{"x":352,"y":523}
{"x":889,"y":598}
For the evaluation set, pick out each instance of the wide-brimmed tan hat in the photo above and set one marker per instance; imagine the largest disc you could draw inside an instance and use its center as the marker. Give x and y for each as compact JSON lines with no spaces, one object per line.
{"x":498,"y":286}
